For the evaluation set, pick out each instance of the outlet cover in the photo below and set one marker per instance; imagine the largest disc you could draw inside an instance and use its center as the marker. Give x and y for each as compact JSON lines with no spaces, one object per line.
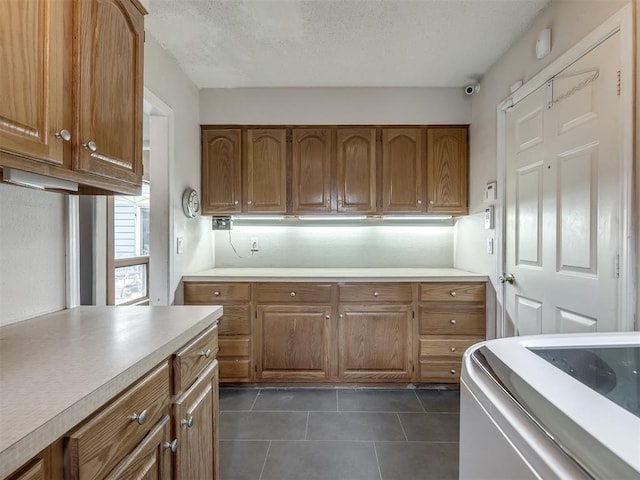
{"x":221,"y":223}
{"x":180,"y":245}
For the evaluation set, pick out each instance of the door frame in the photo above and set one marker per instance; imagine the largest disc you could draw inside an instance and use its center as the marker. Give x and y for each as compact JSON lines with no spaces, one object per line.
{"x":621,"y":22}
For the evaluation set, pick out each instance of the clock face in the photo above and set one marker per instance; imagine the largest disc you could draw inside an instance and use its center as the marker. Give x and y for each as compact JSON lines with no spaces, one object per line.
{"x":190,"y":203}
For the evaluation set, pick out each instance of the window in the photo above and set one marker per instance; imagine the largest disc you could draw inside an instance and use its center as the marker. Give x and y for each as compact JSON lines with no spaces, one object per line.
{"x":128,"y":260}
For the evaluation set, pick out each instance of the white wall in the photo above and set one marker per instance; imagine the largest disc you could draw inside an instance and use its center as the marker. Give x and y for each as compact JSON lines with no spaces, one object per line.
{"x":334,"y":106}
{"x":336,"y":246}
{"x":570,"y":21}
{"x":32,"y":253}
{"x":164,"y":78}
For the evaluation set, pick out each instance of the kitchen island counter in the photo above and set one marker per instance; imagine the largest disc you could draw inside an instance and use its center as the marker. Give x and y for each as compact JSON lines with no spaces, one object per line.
{"x":57,"y":369}
{"x":335,"y":275}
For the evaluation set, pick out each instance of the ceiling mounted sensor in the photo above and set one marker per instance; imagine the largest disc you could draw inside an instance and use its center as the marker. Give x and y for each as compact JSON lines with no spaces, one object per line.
{"x":471,"y":88}
{"x":190,"y":203}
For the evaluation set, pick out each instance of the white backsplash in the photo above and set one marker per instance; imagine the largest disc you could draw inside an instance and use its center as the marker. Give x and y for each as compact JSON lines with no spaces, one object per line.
{"x":336,"y":246}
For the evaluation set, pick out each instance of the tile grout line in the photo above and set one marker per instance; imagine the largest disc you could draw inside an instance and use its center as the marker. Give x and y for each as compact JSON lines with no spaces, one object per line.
{"x":264,"y":464}
{"x":337,"y":401}
{"x":255,"y":400}
{"x":402,"y":427}
{"x":375,"y":450}
{"x":420,"y":401}
{"x":306,"y":429}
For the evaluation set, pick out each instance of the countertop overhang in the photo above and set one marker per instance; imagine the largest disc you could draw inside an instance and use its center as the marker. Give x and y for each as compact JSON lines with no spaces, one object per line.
{"x":335,"y":275}
{"x":57,"y":369}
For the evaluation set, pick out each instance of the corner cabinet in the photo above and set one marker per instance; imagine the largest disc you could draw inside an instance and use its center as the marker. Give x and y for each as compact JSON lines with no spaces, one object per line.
{"x":72,"y":91}
{"x":447,"y":170}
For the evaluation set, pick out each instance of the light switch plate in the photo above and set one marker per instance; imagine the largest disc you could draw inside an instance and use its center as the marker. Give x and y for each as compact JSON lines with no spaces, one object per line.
{"x":488,"y":217}
{"x":490,"y":192}
{"x":490,"y":246}
{"x":180,"y":245}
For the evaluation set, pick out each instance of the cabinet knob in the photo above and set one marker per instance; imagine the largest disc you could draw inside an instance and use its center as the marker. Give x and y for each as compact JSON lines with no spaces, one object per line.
{"x":453,"y":293}
{"x":236,"y":202}
{"x":173,"y":446}
{"x":293,"y":294}
{"x":452,"y":321}
{"x":141,"y":418}
{"x":249,"y":202}
{"x":328,"y":317}
{"x":452,"y":371}
{"x":453,"y":349}
{"x":63,"y":134}
{"x":419,"y":202}
{"x":376,"y":294}
{"x":206,"y":353}
{"x":341,"y":316}
{"x":188,"y":422}
{"x":90,"y":146}
{"x":216,"y":294}
{"x":431,"y":202}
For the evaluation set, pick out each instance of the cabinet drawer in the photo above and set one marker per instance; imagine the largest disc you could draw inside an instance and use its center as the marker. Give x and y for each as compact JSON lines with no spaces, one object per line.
{"x":189,"y":362}
{"x":234,"y":347}
{"x":452,"y":292}
{"x":234,"y":369}
{"x":235,"y":320}
{"x":442,"y":372}
{"x":96,"y":447}
{"x":469,"y":320}
{"x":214,"y":293}
{"x":446,"y":348}
{"x":376,"y":292}
{"x":293,"y":293}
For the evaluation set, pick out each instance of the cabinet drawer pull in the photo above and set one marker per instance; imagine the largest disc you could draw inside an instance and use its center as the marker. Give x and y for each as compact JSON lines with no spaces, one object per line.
{"x":173,"y":446}
{"x":376,"y":294}
{"x":452,"y":371}
{"x":235,"y":202}
{"x":188,"y":422}
{"x":293,"y":294}
{"x":90,"y":146}
{"x":63,"y":134}
{"x":419,"y":202}
{"x":453,"y":293}
{"x":328,"y":317}
{"x":249,"y":202}
{"x":206,"y":353}
{"x":216,"y":294}
{"x":141,"y":419}
{"x":431,"y":202}
{"x":453,"y":349}
{"x":452,"y":321}
{"x":341,"y":316}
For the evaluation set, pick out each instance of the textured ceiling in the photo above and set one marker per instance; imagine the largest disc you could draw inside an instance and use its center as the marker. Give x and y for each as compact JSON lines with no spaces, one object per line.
{"x":338,"y":43}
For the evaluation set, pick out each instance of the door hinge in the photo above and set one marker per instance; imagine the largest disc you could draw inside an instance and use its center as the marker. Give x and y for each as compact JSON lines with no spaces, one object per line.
{"x":618,"y":87}
{"x":617,"y":266}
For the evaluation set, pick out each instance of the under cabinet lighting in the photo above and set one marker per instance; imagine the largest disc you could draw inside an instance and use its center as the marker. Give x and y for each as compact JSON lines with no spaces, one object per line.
{"x":416,"y":217}
{"x":332,"y":217}
{"x":257,"y":218}
{"x":34,"y":180}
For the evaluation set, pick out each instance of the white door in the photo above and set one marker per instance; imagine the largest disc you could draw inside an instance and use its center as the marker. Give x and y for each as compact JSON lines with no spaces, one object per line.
{"x":563,"y":200}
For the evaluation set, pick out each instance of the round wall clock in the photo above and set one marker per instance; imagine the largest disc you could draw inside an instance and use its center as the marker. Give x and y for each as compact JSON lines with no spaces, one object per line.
{"x":190,"y":203}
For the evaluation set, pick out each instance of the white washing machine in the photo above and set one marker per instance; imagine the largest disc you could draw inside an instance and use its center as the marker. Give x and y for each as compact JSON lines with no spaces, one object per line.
{"x":551,"y":407}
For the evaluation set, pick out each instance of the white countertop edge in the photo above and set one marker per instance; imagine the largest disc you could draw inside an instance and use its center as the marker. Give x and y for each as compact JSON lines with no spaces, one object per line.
{"x":20,"y":452}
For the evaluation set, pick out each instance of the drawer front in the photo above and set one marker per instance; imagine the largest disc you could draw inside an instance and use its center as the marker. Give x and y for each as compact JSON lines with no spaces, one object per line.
{"x":96,"y":447}
{"x":236,"y":370}
{"x":440,"y":372}
{"x":235,"y":320}
{"x":189,"y":362}
{"x":453,"y":321}
{"x":234,"y":347}
{"x":376,"y":292}
{"x":446,"y":348}
{"x":452,"y":292}
{"x":215,"y":293}
{"x":293,"y":293}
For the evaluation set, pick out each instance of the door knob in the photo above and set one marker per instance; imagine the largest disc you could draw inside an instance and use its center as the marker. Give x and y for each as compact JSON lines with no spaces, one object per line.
{"x":90,"y":146}
{"x":173,"y":446}
{"x":507,"y":277}
{"x":63,"y":134}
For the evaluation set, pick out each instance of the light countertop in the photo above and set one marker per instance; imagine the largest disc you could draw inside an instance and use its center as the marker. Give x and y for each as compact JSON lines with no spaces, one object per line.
{"x":335,"y":275}
{"x":57,"y":369}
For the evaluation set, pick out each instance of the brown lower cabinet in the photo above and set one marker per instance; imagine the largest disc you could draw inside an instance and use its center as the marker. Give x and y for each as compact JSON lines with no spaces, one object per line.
{"x":348,"y":332}
{"x":146,"y":432}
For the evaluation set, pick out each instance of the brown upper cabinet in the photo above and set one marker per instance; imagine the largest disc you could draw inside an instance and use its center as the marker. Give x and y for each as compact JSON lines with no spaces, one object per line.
{"x":403,"y":170}
{"x":311,"y":172}
{"x":72,"y":91}
{"x":221,"y":171}
{"x":266,"y":179}
{"x":334,"y":170}
{"x":447,"y":170}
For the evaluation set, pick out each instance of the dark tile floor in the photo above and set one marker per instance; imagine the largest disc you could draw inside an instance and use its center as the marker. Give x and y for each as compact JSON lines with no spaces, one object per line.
{"x":338,"y":434}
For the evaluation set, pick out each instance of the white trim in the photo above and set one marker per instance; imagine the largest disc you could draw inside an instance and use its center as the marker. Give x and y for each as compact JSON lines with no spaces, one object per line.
{"x":621,"y":21}
{"x":72,"y":264}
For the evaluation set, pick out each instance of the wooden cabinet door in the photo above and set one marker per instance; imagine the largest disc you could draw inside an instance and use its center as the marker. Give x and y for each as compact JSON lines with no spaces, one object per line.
{"x":34,"y":60}
{"x":293,"y":342}
{"x":311,"y":175}
{"x":374,"y":342}
{"x":447,"y":170}
{"x":109,"y":36}
{"x":356,"y":170}
{"x":196,"y":427}
{"x":221,"y":172}
{"x":266,"y":190}
{"x":151,"y":459}
{"x":402,"y":170}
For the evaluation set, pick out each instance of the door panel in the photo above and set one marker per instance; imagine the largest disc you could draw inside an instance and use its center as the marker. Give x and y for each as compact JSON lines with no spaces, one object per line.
{"x":447,"y":170}
{"x":221,"y":172}
{"x":356,"y":176}
{"x":562,"y":200}
{"x":311,"y":179}
{"x":266,"y":171}
{"x":402,"y":167}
